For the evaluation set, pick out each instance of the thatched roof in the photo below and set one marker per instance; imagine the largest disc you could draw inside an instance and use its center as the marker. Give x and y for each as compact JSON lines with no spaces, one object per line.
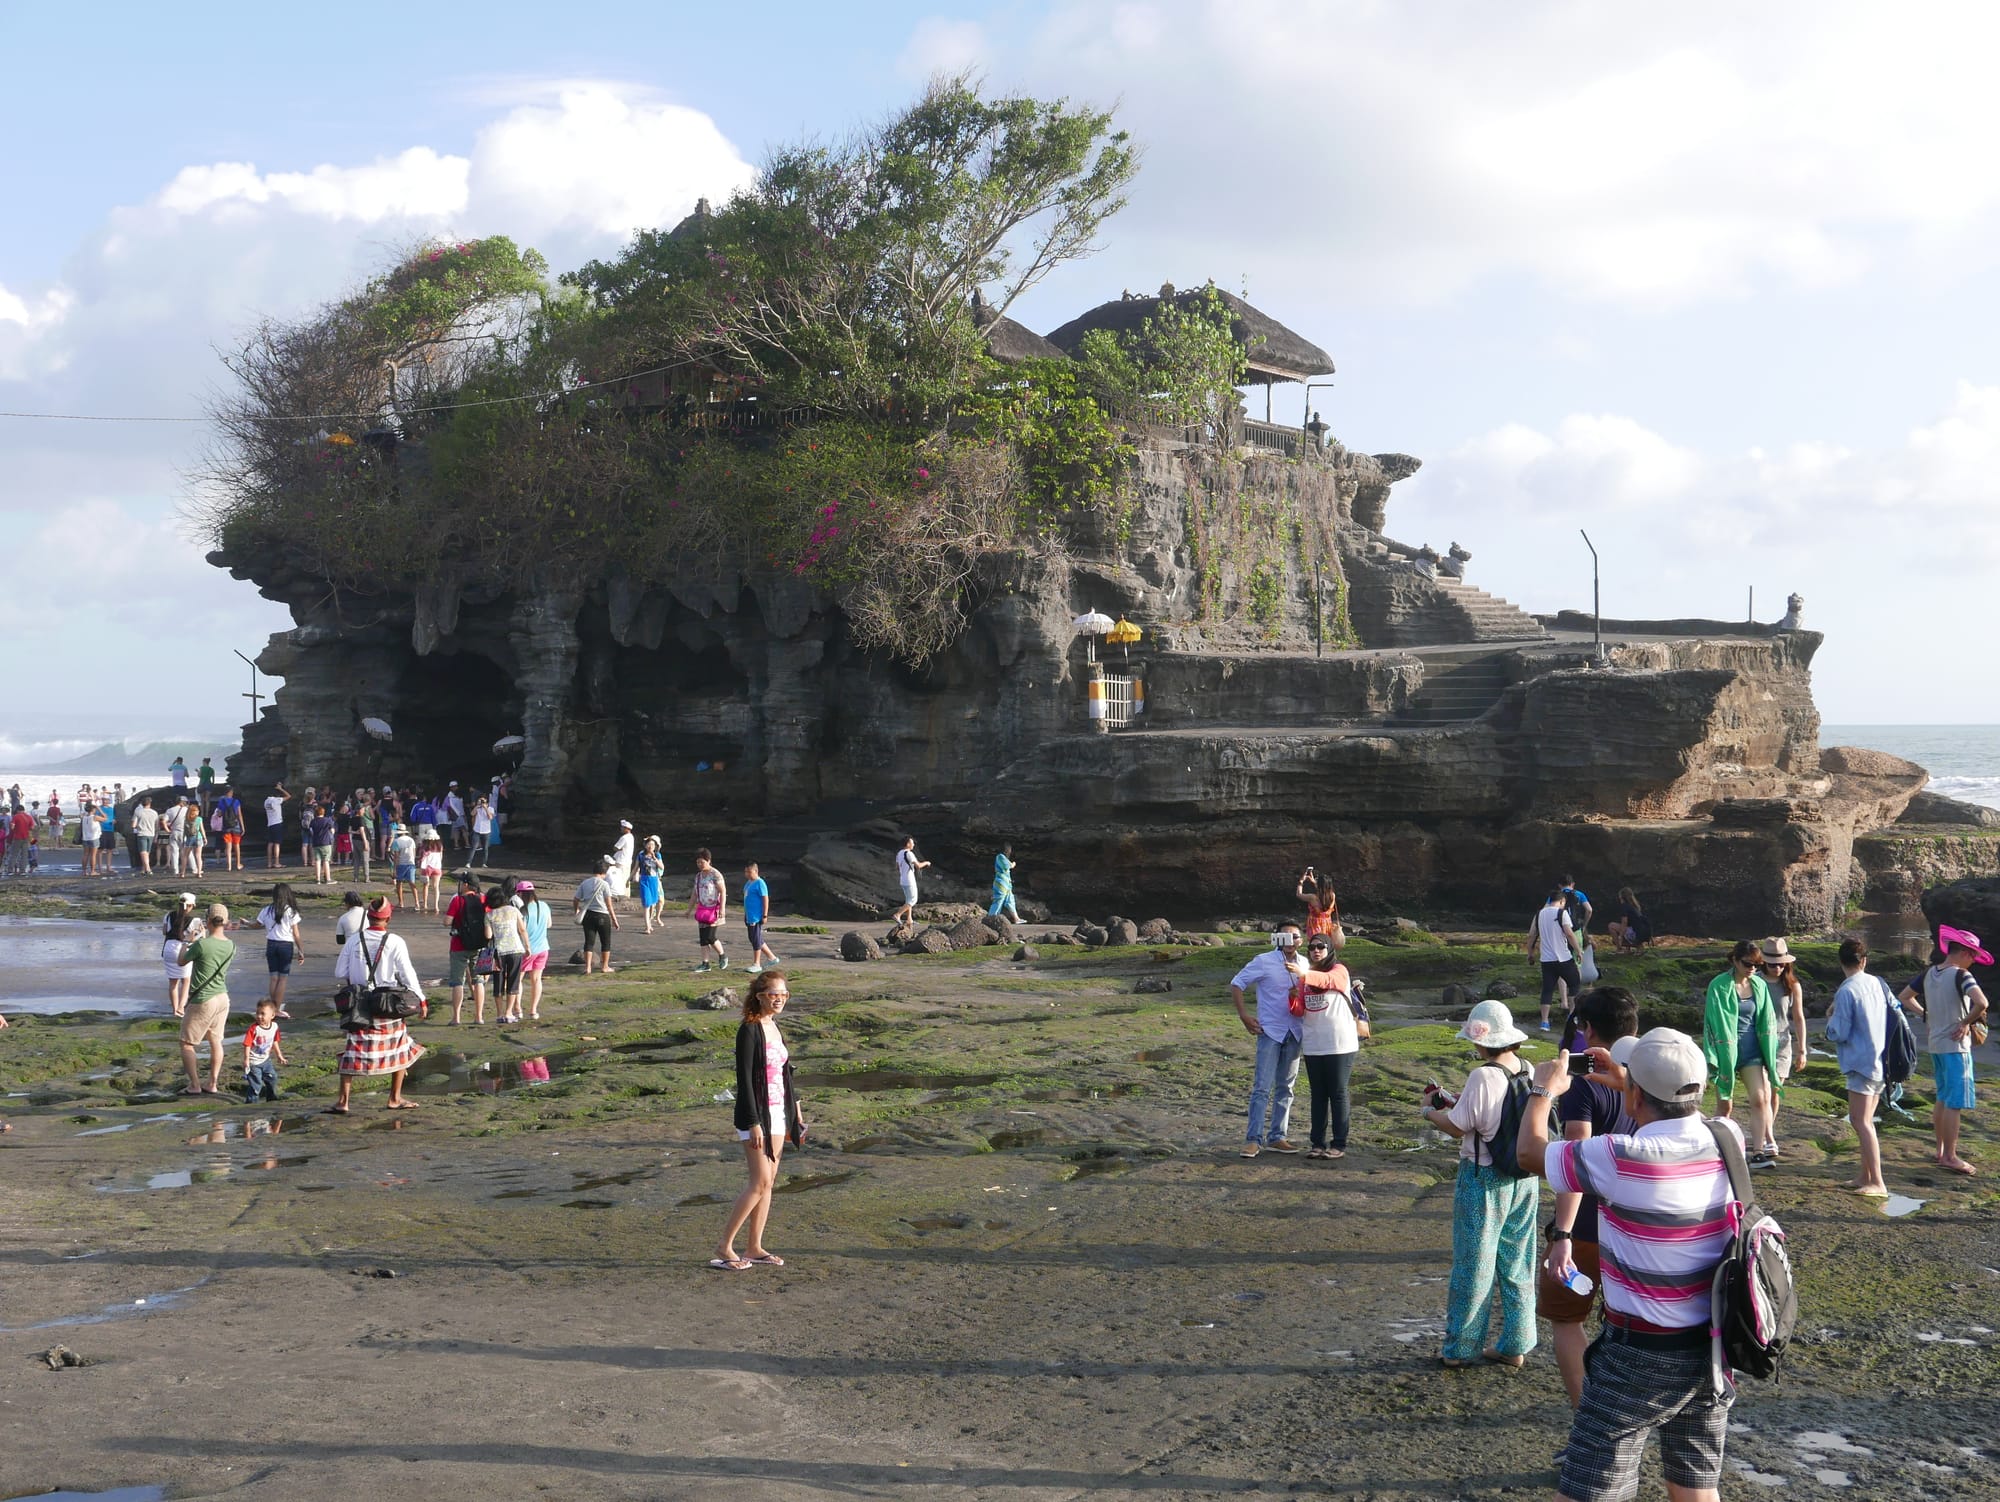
{"x":1009,"y":342}
{"x":1276,"y":353}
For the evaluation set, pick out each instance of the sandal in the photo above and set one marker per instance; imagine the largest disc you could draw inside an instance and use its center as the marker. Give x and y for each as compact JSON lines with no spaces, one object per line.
{"x":730,"y":1265}
{"x":767,"y":1259}
{"x":336,"y":1111}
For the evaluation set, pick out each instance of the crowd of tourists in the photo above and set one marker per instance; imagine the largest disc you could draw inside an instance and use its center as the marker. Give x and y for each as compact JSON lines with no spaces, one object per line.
{"x":1651,"y":1201}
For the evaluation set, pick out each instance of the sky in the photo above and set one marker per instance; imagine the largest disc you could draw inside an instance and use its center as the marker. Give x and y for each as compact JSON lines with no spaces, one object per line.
{"x":1714,"y":282}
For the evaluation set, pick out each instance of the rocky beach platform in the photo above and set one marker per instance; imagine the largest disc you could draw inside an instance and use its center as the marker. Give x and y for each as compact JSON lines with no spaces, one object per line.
{"x":1024,"y":1261}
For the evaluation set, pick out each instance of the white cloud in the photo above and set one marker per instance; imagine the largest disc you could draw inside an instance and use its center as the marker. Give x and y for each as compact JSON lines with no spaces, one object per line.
{"x":27,"y":324}
{"x":1689,"y":152}
{"x":602,"y":163}
{"x":415,"y":184}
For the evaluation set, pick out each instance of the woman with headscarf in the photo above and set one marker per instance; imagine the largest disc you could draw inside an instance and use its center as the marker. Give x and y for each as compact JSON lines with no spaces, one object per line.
{"x":652,"y":890}
{"x":377,"y":959}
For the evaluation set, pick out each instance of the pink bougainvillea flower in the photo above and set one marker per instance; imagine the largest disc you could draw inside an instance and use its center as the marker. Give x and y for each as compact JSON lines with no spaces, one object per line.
{"x":923,"y":474}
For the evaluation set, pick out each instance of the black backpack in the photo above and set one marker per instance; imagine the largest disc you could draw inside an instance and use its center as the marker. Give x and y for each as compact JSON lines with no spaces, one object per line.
{"x":1503,"y":1147}
{"x":1899,"y":1041}
{"x":471,"y":926}
{"x":1754,"y":1304}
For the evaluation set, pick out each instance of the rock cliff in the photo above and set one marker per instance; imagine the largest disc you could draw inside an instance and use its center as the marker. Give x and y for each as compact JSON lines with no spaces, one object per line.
{"x":1314,"y":691}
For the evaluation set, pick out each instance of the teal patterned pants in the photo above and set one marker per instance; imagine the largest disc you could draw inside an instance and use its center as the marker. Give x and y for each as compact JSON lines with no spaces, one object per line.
{"x":1492,"y":1241}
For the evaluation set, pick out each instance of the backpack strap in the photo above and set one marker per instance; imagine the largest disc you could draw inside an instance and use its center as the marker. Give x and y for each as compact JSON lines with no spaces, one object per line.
{"x":1732,"y":1159}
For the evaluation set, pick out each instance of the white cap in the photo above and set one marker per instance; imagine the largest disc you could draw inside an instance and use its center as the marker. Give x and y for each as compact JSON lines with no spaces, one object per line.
{"x":624,"y":823}
{"x":187,"y":899}
{"x":1667,"y":1065}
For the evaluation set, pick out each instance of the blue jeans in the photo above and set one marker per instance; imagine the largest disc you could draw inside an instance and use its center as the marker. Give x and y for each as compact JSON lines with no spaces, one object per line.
{"x":1271,"y":1087}
{"x":260,"y":1082}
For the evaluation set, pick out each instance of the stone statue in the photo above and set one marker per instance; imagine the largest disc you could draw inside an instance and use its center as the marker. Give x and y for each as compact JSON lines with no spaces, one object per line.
{"x":1795,"y":607}
{"x":1426,"y":561}
{"x":1452,"y":565}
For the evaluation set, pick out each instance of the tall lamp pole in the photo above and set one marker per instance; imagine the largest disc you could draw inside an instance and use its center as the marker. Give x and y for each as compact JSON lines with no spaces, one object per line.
{"x":1596,"y":602}
{"x":253,"y":696}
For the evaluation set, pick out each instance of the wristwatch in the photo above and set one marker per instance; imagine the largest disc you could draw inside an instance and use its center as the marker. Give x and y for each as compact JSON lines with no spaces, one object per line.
{"x":1553,"y":1234}
{"x":1540,"y":1090}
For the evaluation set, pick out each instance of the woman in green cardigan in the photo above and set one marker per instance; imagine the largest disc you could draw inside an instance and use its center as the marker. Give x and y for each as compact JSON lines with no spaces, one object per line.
{"x":1740,"y":1032}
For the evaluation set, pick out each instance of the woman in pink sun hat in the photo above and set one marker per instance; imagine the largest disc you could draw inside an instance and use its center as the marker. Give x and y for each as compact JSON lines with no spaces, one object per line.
{"x":1947,"y":994}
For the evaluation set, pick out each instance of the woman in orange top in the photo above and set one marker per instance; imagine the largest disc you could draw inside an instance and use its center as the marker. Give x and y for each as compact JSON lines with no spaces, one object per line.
{"x":1322,"y":911}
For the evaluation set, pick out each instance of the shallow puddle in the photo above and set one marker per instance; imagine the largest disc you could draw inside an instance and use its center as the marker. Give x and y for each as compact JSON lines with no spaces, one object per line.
{"x":253,"y":1126}
{"x":698,"y":1199}
{"x":869,"y":1081}
{"x":1155,"y":1055}
{"x":444,"y":1070}
{"x":118,"y":1494}
{"x":1112,"y":1092}
{"x":126,"y":1126}
{"x":1902,"y":1204}
{"x":1014,"y":1137}
{"x":588,"y":1204}
{"x":605,"y":1180}
{"x":150,"y":1303}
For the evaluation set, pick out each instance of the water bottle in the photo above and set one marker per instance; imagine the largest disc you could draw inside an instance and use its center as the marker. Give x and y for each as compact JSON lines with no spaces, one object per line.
{"x":1577,"y":1281}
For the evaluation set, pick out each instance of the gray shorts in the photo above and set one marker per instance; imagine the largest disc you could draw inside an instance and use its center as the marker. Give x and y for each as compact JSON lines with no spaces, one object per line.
{"x":1866,"y":1084}
{"x":1628,"y":1392}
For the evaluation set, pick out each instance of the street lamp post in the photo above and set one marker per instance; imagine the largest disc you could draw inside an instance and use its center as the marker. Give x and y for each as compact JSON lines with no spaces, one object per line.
{"x":1596,"y":602}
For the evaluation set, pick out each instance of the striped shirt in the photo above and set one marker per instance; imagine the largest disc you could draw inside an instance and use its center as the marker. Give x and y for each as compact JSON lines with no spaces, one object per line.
{"x":1663,"y":1224}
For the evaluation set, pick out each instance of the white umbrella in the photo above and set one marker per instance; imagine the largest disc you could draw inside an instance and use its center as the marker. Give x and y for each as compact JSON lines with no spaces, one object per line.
{"x":1091,"y":625}
{"x":378,"y":728}
{"x":510,"y":743}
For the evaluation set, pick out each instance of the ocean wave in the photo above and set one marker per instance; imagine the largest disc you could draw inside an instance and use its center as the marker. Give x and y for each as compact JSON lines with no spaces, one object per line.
{"x":1984,"y":790}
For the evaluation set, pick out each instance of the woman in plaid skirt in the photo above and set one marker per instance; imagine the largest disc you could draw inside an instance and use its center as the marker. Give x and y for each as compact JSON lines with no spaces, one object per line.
{"x":381,"y":1045}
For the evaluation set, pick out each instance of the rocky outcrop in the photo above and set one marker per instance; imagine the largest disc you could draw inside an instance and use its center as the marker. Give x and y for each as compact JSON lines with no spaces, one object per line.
{"x":1929,"y":808}
{"x":733,"y":706}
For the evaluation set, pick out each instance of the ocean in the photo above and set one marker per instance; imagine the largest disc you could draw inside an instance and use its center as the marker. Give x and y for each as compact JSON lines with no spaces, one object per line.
{"x":1963,"y":760}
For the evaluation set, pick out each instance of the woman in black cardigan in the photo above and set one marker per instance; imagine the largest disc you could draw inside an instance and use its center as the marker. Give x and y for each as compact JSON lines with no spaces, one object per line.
{"x":767,"y":1117}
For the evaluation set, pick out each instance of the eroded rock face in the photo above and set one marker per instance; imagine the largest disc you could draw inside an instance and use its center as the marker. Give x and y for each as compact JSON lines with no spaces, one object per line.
{"x":733,"y":705}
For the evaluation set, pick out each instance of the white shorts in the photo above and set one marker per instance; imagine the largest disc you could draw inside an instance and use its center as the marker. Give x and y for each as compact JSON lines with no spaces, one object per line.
{"x":169,"y":948}
{"x":910,"y":890}
{"x":777,"y":1125}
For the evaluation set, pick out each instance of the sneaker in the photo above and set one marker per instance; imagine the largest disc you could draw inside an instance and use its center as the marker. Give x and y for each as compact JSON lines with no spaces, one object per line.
{"x":775,"y":963}
{"x":723,"y":963}
{"x":1251,"y":1149}
{"x":1545,"y":1027}
{"x":1284,"y":1146}
{"x":755,"y":970}
{"x":1762,"y":1159}
{"x":702,"y":968}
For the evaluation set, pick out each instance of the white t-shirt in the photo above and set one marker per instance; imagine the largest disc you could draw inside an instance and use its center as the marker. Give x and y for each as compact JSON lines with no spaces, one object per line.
{"x":179,"y":772}
{"x":1553,"y":925}
{"x":278,"y":930}
{"x":403,"y":850}
{"x":348,"y":924}
{"x":274,"y":811}
{"x":1478,"y":1110}
{"x":1328,"y":1025}
{"x":145,"y":822}
{"x":906,"y":865}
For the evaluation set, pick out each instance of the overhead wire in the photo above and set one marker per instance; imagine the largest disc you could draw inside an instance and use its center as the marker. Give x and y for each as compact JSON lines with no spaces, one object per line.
{"x":490,"y":401}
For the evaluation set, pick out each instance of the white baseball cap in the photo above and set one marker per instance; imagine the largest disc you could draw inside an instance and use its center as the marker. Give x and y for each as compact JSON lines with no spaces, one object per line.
{"x":1666,"y":1064}
{"x":624,"y":823}
{"x":187,"y":899}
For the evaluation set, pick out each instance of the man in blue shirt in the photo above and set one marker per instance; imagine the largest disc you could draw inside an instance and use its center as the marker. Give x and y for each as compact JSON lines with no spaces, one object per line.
{"x":423,"y":814}
{"x":1279,"y":1038}
{"x":757,"y":907}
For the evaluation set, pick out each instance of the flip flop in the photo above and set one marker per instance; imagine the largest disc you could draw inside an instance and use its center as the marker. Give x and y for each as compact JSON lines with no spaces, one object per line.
{"x":767,"y":1260}
{"x":402,"y":1105}
{"x":740,"y":1265}
{"x":190,"y":1090}
{"x":337,"y":1111}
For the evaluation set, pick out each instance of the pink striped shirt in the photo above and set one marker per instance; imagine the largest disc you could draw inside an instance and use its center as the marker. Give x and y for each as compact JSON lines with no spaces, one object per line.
{"x":1663,"y":1220}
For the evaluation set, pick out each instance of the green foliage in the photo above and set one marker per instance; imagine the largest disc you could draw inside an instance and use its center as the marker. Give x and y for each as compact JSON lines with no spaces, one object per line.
{"x":844,"y":276}
{"x":1182,"y":363}
{"x":1267,"y":597}
{"x":492,"y":440}
{"x":1071,"y":458}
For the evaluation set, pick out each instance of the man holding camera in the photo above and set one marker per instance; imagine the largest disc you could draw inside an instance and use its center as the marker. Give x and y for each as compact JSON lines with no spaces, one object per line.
{"x":1279,"y":1034}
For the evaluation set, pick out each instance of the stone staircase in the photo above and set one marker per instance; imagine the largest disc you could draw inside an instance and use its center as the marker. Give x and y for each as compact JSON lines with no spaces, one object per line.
{"x":1456,"y":686}
{"x":1493,"y":618}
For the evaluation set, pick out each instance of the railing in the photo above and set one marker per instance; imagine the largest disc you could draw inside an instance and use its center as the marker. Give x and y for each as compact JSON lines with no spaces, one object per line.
{"x":1111,"y":700}
{"x":1270,"y":435}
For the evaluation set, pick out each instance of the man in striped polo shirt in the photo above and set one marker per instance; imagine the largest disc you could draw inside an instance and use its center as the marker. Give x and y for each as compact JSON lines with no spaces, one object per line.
{"x":1663,"y":1194}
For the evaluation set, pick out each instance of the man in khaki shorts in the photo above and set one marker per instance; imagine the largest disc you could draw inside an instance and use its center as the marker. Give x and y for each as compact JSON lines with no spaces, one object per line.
{"x":206,"y":1010}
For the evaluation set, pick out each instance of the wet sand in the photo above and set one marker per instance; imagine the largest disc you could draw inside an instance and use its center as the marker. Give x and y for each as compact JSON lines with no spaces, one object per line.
{"x":1024,"y":1259}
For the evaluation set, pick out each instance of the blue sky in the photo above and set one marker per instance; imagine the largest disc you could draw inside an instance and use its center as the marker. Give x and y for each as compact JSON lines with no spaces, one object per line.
{"x":1716,"y":283}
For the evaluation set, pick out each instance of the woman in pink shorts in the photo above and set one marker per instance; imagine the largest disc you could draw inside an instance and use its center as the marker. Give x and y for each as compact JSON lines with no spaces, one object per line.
{"x":535,"y":913}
